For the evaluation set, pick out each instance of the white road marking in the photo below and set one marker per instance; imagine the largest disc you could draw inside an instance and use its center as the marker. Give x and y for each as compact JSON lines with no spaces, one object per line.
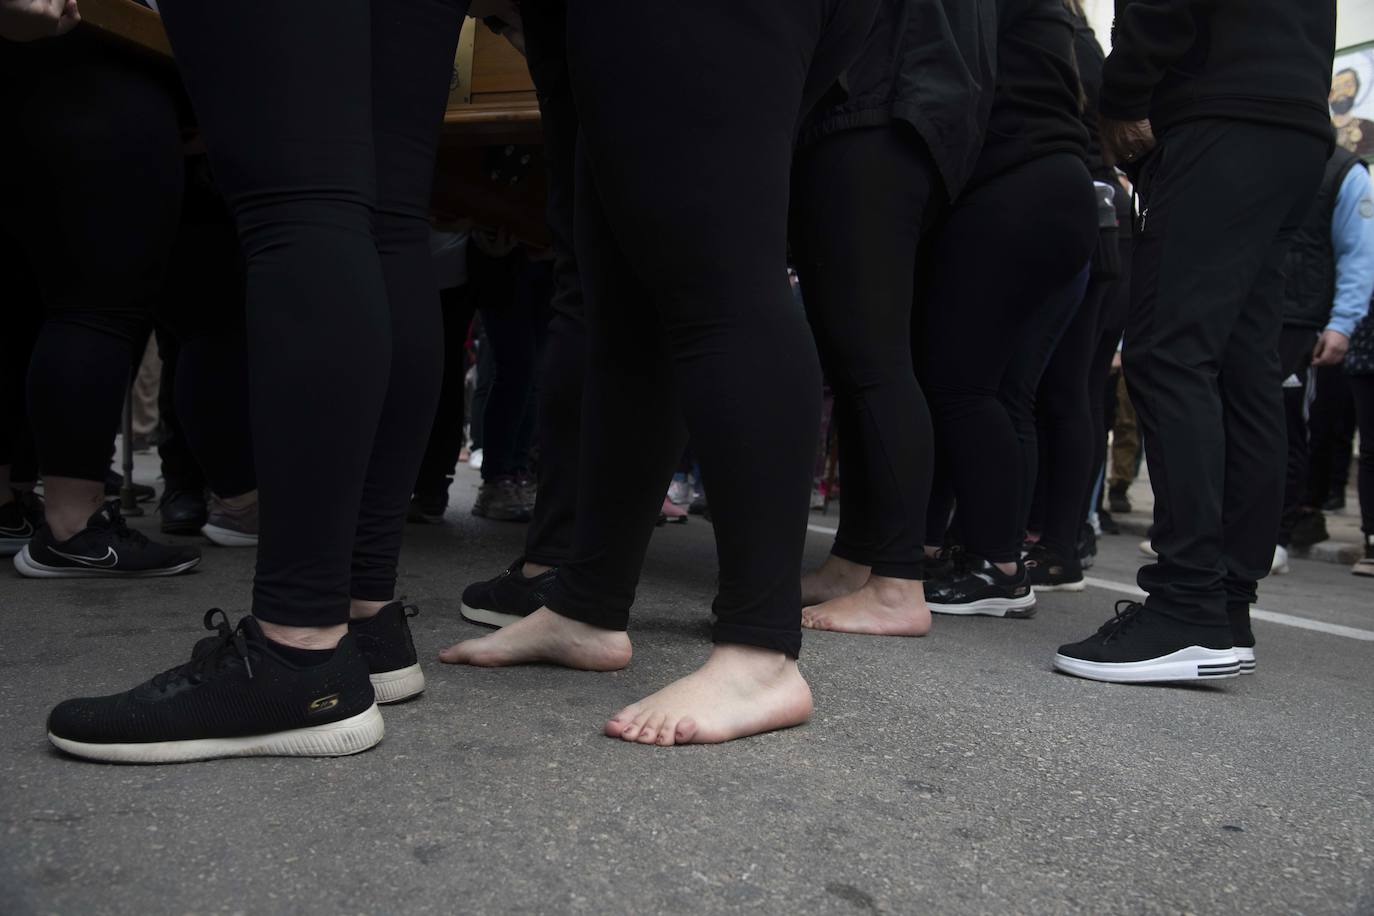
{"x":1287,"y":620}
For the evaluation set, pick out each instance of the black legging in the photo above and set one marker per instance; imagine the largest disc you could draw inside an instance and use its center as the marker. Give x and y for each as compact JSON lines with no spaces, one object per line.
{"x":322,"y":120}
{"x":1362,"y":387}
{"x":1008,"y":246}
{"x":681,"y":239}
{"x":94,"y":229}
{"x":860,"y":202}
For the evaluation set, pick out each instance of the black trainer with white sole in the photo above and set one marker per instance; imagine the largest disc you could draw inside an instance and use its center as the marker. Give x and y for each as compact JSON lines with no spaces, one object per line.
{"x":16,"y":529}
{"x":1051,"y":572}
{"x":236,"y":697}
{"x":385,"y":641}
{"x":107,"y":546}
{"x":975,"y":587}
{"x":507,"y":598}
{"x":1140,"y":646}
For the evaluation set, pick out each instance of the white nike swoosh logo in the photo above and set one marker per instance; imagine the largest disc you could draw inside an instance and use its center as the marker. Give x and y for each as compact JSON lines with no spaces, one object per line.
{"x":108,"y":561}
{"x":26,"y":531}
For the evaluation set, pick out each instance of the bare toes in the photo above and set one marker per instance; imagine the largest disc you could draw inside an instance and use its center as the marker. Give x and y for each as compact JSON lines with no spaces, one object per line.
{"x":653,"y":729}
{"x":667,"y":733}
{"x":685,"y":731}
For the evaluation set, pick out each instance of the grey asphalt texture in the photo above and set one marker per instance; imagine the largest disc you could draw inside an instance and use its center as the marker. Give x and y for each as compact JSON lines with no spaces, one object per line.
{"x":951,"y":774}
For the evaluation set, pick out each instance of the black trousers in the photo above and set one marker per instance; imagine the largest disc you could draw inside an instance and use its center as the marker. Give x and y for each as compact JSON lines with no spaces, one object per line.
{"x":861,"y":200}
{"x":1005,"y":258}
{"x":23,"y":318}
{"x":446,"y":433}
{"x":549,"y":538}
{"x":1111,"y":325}
{"x":322,"y":121}
{"x":1295,"y":361}
{"x":1331,"y":428}
{"x":1362,"y":388}
{"x":95,"y":230}
{"x":682,"y":200}
{"x":1201,"y":355}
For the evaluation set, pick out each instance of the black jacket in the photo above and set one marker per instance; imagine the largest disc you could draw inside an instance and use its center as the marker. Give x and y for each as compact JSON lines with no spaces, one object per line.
{"x":1310,"y":269}
{"x":1089,"y":55}
{"x":1248,"y":60}
{"x":930,"y":64}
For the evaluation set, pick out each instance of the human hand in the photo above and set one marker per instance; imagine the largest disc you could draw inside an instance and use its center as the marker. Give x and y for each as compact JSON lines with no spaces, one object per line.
{"x":29,"y":20}
{"x":1331,"y":347}
{"x":1124,"y":142}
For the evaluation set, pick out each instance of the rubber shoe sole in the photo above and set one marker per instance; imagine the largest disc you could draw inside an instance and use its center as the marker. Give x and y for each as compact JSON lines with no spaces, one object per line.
{"x":487,"y":618}
{"x":1195,"y":663}
{"x":990,"y":607}
{"x":1075,"y":586}
{"x":336,"y":739}
{"x":1247,"y":660}
{"x":228,"y":537}
{"x":398,"y":685}
{"x":28,"y":566}
{"x":10,"y":546}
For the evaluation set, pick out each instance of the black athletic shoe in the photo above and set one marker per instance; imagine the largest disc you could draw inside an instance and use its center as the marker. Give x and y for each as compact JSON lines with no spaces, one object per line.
{"x":1087,"y":546}
{"x":1309,"y":529}
{"x":507,"y":598}
{"x":114,"y":482}
{"x":1107,"y":522}
{"x":107,"y":546}
{"x":386,"y":643}
{"x":1117,"y":500}
{"x":1141,"y":646}
{"x":942,"y":565}
{"x":16,"y":529}
{"x":1334,"y":503}
{"x":1242,"y":637}
{"x":1049,"y":572}
{"x":977,"y":587}
{"x":236,"y":697}
{"x":427,"y":508}
{"x":183,"y":511}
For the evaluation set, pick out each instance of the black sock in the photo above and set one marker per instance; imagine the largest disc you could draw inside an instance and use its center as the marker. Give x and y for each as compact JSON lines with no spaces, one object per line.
{"x":301,"y":658}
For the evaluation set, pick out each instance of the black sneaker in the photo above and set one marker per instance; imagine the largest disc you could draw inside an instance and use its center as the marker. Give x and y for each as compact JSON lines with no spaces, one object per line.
{"x":236,"y":697}
{"x":1087,"y":546}
{"x":386,"y":643}
{"x":1050,"y":572}
{"x":1117,"y":500}
{"x":114,"y":483}
{"x":1109,"y":525}
{"x":1309,"y":529}
{"x":507,"y":598}
{"x":183,"y":511}
{"x":16,"y":528}
{"x":427,"y":508}
{"x":107,"y":546}
{"x":1242,"y":637}
{"x":502,"y":499}
{"x":1334,"y":503}
{"x":941,"y":565}
{"x":976,"y":587}
{"x":1141,"y":646}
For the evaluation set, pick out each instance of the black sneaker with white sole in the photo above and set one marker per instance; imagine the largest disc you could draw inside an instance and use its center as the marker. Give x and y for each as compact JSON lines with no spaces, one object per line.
{"x":16,"y":528}
{"x":1051,"y":572}
{"x":507,"y":598}
{"x":1141,"y":646}
{"x":238,"y":696}
{"x":107,"y":546}
{"x":1242,"y":636}
{"x":975,"y":587}
{"x":385,"y":641}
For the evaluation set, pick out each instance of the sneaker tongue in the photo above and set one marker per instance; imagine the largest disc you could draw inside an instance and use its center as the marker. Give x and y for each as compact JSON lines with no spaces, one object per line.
{"x":102,"y":518}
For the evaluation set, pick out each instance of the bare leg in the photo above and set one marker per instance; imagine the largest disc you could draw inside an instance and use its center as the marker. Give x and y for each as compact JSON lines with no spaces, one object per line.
{"x":304,"y":637}
{"x":740,"y":691}
{"x":545,"y":637}
{"x":362,"y":610}
{"x":836,"y":577}
{"x":69,"y":503}
{"x":883,"y":607}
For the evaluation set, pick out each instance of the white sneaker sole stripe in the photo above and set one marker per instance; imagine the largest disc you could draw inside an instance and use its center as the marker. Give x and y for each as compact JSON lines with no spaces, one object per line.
{"x":486,"y":617}
{"x":228,"y":537}
{"x":989,"y":607}
{"x":398,"y":685}
{"x":31,"y":568}
{"x":1195,"y":663}
{"x":336,"y":739}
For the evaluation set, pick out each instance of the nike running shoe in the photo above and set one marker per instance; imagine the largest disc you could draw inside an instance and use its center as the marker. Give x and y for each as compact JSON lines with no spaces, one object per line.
{"x":107,"y":546}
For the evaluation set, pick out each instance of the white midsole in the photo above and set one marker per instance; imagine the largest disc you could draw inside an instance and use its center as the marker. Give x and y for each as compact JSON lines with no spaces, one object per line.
{"x":1191,"y":664}
{"x":490,"y":618}
{"x":1247,"y":660}
{"x":28,"y":566}
{"x":334,"y":739}
{"x":228,"y":537}
{"x":401,"y":684}
{"x":1075,"y":586}
{"x":987,"y":607}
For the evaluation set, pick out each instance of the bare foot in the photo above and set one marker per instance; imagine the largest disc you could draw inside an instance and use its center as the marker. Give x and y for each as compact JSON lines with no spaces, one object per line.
{"x":883,"y":607}
{"x":740,"y":691}
{"x":545,"y":637}
{"x":836,"y":577}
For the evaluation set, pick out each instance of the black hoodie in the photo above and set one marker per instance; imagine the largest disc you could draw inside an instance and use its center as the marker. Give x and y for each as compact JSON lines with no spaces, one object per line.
{"x":1247,"y":60}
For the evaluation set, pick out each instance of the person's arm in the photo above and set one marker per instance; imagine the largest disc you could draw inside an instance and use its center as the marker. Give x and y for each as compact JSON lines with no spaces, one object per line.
{"x":1352,"y":239}
{"x":1147,"y":37}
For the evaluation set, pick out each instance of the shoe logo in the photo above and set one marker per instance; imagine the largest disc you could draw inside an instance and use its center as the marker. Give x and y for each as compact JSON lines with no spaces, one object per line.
{"x":109,"y":561}
{"x":324,"y":703}
{"x":22,"y":532}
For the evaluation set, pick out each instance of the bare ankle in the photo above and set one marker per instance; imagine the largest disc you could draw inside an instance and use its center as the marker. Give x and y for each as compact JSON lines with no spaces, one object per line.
{"x":304,"y":637}
{"x":530,"y":570}
{"x":892,"y":590}
{"x":362,"y":610}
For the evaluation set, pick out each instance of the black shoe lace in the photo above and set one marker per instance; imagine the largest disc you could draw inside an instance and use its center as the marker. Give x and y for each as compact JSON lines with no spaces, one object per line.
{"x":1036,"y":555}
{"x":209,"y":653}
{"x":120,"y":527}
{"x":1127,"y":615}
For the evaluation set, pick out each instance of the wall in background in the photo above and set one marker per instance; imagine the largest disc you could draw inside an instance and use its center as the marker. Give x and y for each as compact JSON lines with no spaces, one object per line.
{"x":1354,"y":21}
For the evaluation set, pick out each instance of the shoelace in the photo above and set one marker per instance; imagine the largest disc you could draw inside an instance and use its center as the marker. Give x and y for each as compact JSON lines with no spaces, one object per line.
{"x":122,"y":531}
{"x":1127,"y":614}
{"x":208,"y":654}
